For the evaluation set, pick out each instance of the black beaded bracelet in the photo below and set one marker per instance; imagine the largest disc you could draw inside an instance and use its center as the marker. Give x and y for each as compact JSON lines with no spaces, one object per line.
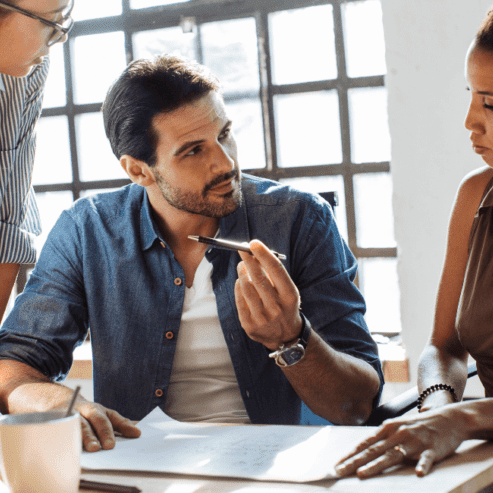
{"x":434,"y":388}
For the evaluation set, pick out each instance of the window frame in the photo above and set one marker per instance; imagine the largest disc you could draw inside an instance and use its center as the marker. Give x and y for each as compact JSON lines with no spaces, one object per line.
{"x":204,"y":11}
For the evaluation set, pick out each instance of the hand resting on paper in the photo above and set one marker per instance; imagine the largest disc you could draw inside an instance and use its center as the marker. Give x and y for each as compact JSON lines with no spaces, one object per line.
{"x":24,"y":389}
{"x":426,"y":438}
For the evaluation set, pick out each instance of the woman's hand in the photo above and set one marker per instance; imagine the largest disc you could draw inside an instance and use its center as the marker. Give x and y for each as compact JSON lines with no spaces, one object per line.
{"x":427,"y":438}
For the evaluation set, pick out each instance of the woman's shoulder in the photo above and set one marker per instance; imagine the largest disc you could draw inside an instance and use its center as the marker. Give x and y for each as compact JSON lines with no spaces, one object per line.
{"x":473,"y":186}
{"x":476,"y":181}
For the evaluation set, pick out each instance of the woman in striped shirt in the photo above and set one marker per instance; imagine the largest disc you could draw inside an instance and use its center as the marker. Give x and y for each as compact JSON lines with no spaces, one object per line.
{"x":27,"y":28}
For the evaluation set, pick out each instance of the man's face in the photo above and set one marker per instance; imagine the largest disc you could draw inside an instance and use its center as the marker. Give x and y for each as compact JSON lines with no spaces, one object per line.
{"x":197,"y":169}
{"x":26,"y":38}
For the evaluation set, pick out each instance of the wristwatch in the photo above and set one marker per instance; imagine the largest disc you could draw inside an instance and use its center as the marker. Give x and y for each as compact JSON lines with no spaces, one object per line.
{"x":290,"y":355}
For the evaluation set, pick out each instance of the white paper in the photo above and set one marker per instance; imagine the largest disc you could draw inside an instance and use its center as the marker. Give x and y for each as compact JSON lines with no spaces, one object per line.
{"x":263,"y":452}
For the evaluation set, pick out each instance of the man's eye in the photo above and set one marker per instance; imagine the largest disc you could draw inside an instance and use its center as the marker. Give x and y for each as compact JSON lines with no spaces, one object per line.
{"x":193,"y":151}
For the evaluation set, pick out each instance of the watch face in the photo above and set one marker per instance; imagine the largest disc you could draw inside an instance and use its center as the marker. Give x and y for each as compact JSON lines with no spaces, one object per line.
{"x":292,"y":355}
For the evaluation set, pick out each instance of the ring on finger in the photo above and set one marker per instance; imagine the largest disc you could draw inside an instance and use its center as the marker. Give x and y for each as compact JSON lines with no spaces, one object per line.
{"x":401,"y":450}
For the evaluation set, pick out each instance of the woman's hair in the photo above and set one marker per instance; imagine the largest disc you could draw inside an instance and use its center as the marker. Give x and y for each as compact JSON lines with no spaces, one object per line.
{"x":147,"y":88}
{"x":484,"y":36}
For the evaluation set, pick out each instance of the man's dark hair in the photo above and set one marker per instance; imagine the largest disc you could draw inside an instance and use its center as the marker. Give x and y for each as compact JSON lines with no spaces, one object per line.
{"x":145,"y":89}
{"x":484,"y":36}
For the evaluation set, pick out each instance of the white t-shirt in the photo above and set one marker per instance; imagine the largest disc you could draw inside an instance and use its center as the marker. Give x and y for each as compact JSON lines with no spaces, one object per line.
{"x":203,"y":385}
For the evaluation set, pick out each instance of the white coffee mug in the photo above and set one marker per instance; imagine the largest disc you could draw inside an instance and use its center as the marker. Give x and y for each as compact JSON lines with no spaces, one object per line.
{"x":40,"y":452}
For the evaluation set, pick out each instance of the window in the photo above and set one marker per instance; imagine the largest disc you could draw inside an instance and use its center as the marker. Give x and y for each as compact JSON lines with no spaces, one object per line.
{"x":303,"y":82}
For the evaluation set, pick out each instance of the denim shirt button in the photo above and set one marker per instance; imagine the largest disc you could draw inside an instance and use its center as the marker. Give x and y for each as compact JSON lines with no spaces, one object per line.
{"x":248,"y":393}
{"x":169,"y":335}
{"x":178,"y":281}
{"x":159,"y":393}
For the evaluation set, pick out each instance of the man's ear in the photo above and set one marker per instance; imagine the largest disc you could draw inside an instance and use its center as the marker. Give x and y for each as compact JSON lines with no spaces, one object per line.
{"x":138,"y":171}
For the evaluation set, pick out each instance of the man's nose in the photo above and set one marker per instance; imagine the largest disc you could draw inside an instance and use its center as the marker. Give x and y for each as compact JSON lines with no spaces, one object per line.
{"x":222,"y":161}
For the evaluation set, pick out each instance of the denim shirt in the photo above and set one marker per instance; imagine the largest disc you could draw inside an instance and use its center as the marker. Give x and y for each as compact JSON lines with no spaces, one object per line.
{"x":105,"y":266}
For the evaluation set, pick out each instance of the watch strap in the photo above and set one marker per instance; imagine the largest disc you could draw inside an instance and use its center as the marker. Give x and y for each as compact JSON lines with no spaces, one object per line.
{"x":306,"y":330}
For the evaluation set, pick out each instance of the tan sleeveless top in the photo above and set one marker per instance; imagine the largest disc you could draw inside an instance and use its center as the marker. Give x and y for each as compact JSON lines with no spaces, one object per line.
{"x":474,"y":322}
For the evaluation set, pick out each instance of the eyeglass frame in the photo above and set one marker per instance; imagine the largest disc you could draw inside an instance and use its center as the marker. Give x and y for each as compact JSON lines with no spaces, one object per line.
{"x":55,"y":25}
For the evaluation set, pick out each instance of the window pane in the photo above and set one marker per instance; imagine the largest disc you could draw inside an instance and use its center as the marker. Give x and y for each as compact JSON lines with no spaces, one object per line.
{"x":379,"y":284}
{"x":51,"y":205}
{"x":96,"y":159}
{"x":369,"y":123}
{"x":246,"y":115}
{"x":230,"y":51}
{"x":374,"y":216}
{"x":98,"y":60}
{"x":52,"y":163}
{"x":147,"y":44}
{"x":308,"y":129}
{"x":302,"y":45}
{"x":142,"y":4}
{"x":92,"y":9}
{"x":363,"y":38}
{"x":55,"y":93}
{"x":319,"y":184}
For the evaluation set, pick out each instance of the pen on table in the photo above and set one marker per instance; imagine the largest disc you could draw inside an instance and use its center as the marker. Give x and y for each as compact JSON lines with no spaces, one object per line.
{"x":230,"y":245}
{"x":113,"y":488}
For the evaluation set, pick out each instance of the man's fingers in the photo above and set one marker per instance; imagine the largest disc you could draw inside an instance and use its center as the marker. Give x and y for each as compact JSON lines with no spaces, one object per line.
{"x":274,"y":269}
{"x":89,"y":439}
{"x":123,"y":425}
{"x":99,"y":422}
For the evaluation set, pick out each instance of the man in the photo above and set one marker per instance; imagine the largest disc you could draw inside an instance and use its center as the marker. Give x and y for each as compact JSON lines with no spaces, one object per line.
{"x":28,"y":28}
{"x":174,"y":323}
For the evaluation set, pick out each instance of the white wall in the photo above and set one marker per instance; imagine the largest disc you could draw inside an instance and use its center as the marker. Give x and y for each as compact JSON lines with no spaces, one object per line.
{"x":426,"y":44}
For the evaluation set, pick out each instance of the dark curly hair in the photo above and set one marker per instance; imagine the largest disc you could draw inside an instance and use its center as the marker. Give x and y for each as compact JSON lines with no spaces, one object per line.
{"x":147,"y":88}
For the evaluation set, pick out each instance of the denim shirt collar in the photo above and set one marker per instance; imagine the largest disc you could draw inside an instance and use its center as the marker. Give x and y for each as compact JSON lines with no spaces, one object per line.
{"x":148,"y":228}
{"x":234,"y":226}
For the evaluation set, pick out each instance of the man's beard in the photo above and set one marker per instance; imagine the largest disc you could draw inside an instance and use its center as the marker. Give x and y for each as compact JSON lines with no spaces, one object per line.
{"x":198,"y":202}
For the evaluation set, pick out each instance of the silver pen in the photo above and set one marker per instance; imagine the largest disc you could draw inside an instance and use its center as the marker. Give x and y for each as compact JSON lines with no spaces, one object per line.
{"x":230,"y":245}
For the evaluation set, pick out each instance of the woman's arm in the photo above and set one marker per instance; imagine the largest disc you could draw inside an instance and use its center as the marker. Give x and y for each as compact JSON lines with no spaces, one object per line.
{"x":444,"y":360}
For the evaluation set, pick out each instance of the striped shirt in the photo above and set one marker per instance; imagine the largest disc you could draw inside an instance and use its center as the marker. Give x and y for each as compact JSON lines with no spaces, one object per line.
{"x":20,"y":107}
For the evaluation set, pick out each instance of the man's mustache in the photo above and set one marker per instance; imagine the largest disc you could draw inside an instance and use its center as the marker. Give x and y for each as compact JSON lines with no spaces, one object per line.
{"x":234,"y":173}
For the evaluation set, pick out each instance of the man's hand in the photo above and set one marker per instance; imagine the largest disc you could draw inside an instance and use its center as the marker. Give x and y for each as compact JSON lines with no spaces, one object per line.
{"x":427,"y":438}
{"x":99,"y":425}
{"x":24,"y":389}
{"x":267,"y":299}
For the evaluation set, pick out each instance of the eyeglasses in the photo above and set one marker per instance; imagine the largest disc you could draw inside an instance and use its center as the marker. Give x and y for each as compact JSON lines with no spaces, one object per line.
{"x":59,"y":30}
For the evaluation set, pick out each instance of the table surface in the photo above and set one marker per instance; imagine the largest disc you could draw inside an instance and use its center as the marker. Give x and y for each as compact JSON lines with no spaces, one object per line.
{"x":467,"y":471}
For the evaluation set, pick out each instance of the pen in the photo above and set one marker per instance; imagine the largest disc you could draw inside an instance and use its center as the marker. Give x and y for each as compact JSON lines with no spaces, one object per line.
{"x":113,"y":488}
{"x":229,"y":245}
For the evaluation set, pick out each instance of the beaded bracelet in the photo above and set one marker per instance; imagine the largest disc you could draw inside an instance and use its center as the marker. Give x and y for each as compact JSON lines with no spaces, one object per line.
{"x":434,"y":388}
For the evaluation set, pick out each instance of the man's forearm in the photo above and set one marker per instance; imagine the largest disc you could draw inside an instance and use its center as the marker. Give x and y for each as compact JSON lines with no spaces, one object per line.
{"x":24,"y":389}
{"x":8,"y":275}
{"x":334,"y":385}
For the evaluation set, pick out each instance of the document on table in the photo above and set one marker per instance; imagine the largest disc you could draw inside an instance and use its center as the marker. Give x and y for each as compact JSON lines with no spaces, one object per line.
{"x":262,"y":452}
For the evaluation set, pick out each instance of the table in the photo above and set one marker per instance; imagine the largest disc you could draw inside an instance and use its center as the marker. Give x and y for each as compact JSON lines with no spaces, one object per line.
{"x":468,"y":471}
